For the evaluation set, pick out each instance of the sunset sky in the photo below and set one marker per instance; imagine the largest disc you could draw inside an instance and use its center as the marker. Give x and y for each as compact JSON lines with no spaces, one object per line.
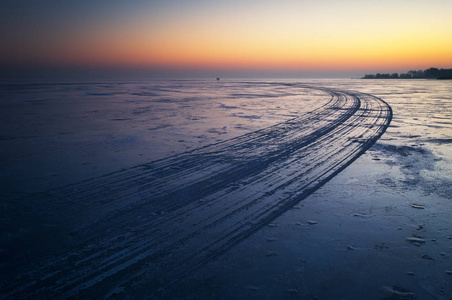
{"x":234,"y":37}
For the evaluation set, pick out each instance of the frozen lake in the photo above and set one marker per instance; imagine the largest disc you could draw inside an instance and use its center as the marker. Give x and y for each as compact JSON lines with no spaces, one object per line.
{"x":63,"y":133}
{"x":192,"y":188}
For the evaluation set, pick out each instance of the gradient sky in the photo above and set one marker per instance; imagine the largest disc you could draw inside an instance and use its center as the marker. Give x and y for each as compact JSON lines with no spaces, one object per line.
{"x":317,"y":37}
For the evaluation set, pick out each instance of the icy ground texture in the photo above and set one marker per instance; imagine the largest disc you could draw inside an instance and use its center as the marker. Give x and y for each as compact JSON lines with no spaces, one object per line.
{"x":167,"y":218}
{"x":381,"y":229}
{"x":420,"y":135}
{"x":56,"y":134}
{"x":333,"y":244}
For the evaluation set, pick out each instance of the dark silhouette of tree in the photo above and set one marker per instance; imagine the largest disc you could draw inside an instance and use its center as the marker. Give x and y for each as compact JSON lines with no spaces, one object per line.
{"x":432,"y":73}
{"x":405,"y":75}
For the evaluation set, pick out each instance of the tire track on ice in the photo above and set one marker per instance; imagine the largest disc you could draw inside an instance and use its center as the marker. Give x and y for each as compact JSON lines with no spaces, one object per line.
{"x":156,"y":223}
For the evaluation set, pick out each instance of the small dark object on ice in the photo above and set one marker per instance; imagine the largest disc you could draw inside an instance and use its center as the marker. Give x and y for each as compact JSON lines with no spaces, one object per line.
{"x":414,"y":239}
{"x":426,"y":256}
{"x":417,"y":206}
{"x":396,"y":293}
{"x":292,"y":291}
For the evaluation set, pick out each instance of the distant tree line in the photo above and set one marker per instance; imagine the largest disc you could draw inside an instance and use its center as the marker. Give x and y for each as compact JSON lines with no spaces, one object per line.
{"x":428,"y":73}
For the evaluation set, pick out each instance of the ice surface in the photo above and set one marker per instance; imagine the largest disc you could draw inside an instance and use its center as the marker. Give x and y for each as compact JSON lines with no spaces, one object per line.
{"x":52,"y":135}
{"x":57,"y":134}
{"x":399,"y":251}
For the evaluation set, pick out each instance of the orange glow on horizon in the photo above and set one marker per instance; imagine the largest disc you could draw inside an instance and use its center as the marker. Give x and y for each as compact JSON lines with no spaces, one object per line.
{"x":289,"y":56}
{"x":287,"y":36}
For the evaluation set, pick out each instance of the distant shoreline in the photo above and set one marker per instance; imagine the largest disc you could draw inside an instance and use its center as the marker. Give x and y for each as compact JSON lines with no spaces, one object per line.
{"x":432,"y":73}
{"x":439,"y":78}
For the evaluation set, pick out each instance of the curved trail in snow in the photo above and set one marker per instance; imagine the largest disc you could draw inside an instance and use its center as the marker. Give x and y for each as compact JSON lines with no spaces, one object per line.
{"x":161,"y":221}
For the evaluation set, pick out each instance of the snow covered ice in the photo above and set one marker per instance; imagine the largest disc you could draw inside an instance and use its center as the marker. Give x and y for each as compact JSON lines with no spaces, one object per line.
{"x":162,"y":188}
